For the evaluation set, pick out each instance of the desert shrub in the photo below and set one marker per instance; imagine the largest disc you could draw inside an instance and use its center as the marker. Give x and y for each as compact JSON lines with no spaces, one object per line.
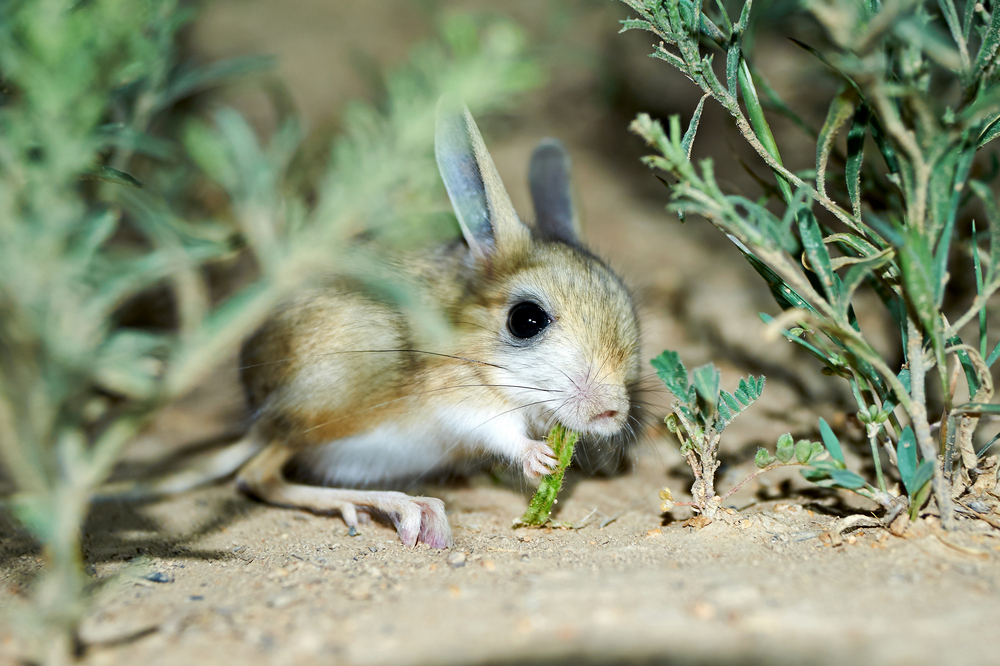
{"x":896,"y":214}
{"x":81,"y":240}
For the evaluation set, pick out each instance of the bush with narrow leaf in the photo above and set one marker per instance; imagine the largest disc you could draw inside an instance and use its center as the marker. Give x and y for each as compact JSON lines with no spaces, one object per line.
{"x":921,"y":80}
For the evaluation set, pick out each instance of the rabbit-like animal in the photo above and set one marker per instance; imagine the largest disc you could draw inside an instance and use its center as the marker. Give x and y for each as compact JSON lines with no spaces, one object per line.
{"x":345,"y":387}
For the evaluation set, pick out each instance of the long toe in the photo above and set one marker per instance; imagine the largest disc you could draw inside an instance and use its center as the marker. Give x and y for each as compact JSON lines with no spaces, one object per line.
{"x":435,"y":530}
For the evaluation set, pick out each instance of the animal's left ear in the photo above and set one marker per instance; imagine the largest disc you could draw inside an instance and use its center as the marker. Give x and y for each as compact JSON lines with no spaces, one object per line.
{"x":549,"y":178}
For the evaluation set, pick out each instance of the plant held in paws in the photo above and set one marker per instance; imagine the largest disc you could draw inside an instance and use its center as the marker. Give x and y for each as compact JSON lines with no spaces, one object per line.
{"x":562,"y":441}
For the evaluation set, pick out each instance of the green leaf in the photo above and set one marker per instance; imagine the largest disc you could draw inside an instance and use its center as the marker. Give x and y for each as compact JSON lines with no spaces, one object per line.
{"x":985,"y":194}
{"x":830,"y":440}
{"x":841,"y":109}
{"x":208,"y":151}
{"x":729,"y":401}
{"x":109,"y":175}
{"x":855,"y":156}
{"x":971,"y":376}
{"x":917,"y":265}
{"x":692,"y":129}
{"x":817,"y":476}
{"x":763,"y":458}
{"x":734,"y":53}
{"x":948,"y":194}
{"x":921,"y":478}
{"x":990,"y":132}
{"x":847,"y":479}
{"x":635,"y":24}
{"x":851,"y":244}
{"x":785,"y":448}
{"x":994,"y":355}
{"x":979,"y":408}
{"x":214,"y":74}
{"x":784,"y":296}
{"x":130,"y":363}
{"x":988,"y":50}
{"x":803,"y":450}
{"x":816,"y":449}
{"x":815,"y":249}
{"x":724,"y":412}
{"x":752,"y":387}
{"x":758,"y":121}
{"x":744,"y":21}
{"x":672,"y":372}
{"x":706,"y":383}
{"x":978,"y":270}
{"x":890,"y":402}
{"x":730,"y":405}
{"x":906,"y":458}
{"x":92,"y":233}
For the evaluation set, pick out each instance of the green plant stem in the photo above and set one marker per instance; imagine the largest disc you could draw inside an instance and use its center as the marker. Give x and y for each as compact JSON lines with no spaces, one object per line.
{"x":774,"y":465}
{"x":539,"y":509}
{"x":921,"y":428}
{"x":978,"y":303}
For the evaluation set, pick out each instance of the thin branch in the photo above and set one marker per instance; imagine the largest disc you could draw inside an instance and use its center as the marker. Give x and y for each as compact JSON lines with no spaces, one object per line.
{"x":921,"y":427}
{"x":978,"y":303}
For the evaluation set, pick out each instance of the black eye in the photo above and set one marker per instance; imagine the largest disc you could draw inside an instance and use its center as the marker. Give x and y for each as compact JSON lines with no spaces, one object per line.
{"x":526,"y":320}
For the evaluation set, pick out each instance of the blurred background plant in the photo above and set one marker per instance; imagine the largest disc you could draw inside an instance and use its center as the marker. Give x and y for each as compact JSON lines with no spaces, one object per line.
{"x":103,"y":172}
{"x":903,"y":216}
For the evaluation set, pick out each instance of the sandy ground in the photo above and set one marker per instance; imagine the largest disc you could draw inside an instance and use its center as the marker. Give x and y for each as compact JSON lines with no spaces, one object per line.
{"x":212,"y":577}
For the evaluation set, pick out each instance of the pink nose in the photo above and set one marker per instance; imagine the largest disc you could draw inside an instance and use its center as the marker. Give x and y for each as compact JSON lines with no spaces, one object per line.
{"x":610,"y":414}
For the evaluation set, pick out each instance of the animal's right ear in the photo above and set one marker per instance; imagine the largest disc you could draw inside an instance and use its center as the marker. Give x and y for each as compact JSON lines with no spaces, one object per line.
{"x":484,"y":210}
{"x":549,"y":178}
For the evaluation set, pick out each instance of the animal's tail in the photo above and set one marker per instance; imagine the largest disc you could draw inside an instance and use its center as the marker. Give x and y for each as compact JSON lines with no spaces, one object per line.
{"x":213,"y":467}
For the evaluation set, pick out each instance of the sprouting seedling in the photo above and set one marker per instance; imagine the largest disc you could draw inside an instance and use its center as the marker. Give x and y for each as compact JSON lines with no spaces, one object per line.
{"x":700,"y":412}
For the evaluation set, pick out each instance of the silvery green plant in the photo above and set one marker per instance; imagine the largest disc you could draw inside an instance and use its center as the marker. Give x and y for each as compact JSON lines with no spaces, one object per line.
{"x":81,"y":84}
{"x":921,"y":79}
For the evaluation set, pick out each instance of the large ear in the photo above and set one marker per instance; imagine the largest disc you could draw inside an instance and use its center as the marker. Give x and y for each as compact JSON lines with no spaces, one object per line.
{"x":481,"y":203}
{"x":549,"y":178}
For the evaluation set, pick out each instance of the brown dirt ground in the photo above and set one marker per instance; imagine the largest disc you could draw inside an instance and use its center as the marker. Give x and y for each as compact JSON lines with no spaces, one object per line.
{"x":212,"y":577}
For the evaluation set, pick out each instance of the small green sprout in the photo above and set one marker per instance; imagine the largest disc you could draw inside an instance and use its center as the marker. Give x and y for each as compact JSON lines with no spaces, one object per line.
{"x":700,"y":412}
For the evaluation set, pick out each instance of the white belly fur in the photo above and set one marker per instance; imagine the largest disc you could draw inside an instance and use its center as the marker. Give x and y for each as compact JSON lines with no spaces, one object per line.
{"x":410,"y":448}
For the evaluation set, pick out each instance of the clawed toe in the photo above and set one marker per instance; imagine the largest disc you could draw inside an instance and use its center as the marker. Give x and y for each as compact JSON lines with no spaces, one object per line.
{"x":422,"y":520}
{"x":434,"y":528}
{"x":416,"y":519}
{"x":539,"y":460}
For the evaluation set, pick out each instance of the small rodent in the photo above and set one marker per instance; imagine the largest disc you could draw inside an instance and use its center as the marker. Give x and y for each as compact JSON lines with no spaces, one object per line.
{"x":344,"y":385}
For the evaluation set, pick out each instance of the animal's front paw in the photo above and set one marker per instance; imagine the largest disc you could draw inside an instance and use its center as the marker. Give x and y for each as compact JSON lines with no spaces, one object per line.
{"x":539,"y":459}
